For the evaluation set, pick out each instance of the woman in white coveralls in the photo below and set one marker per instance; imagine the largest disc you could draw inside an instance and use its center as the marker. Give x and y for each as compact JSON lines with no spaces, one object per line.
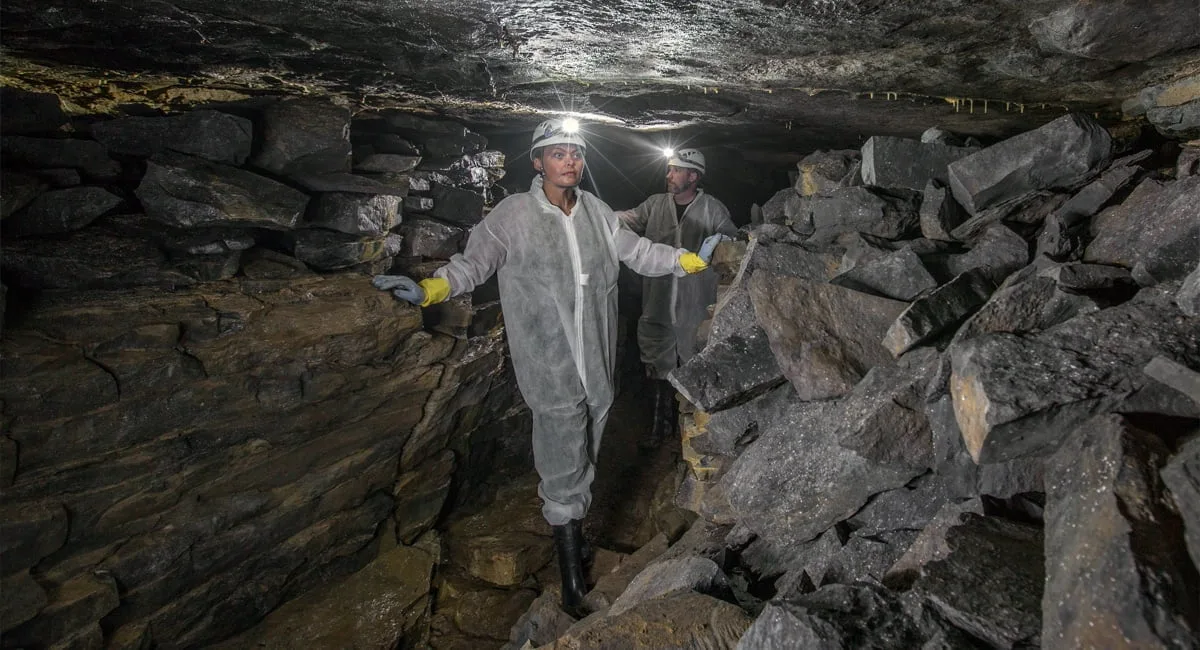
{"x":555,"y":250}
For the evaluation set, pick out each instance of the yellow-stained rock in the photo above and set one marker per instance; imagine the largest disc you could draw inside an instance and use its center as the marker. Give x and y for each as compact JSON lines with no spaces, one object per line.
{"x":507,"y":542}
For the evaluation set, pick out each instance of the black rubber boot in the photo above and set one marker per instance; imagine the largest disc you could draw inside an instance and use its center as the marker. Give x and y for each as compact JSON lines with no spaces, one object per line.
{"x":659,"y":423}
{"x":670,"y":412}
{"x":568,"y":542}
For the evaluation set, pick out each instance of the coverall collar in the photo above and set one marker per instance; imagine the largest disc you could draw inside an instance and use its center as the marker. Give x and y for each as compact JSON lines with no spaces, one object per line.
{"x":535,"y":188}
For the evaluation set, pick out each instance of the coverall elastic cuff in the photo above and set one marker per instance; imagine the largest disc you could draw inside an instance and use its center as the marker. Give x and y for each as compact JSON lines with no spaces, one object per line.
{"x":692,"y":263}
{"x":436,"y":290}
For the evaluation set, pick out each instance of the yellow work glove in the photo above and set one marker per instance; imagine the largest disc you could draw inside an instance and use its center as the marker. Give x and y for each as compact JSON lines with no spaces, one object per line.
{"x":436,"y":290}
{"x":692,"y":263}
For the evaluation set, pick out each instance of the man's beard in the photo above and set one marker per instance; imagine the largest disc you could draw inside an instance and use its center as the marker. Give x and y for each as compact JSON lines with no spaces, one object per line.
{"x":673,"y":189}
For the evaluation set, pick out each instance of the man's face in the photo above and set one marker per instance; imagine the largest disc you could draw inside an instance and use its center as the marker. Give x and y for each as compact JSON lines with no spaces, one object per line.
{"x":561,"y":164}
{"x":681,"y":179}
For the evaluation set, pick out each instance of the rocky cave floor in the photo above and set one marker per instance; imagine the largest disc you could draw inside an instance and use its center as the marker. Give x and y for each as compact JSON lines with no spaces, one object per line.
{"x":492,"y":558}
{"x":632,"y":509}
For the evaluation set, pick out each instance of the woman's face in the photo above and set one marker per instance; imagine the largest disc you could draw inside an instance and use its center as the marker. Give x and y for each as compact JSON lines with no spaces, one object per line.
{"x":561,"y":164}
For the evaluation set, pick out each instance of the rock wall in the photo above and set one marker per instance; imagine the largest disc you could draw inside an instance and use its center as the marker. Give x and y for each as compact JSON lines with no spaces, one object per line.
{"x":207,"y":408}
{"x":963,"y":416}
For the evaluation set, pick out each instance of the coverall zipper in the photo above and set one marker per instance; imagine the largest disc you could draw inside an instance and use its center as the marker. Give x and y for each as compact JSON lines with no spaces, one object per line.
{"x":577,"y":266}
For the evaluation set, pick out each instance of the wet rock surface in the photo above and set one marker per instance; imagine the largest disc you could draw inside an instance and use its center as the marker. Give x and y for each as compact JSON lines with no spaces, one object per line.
{"x":207,"y":432}
{"x":852,"y":68}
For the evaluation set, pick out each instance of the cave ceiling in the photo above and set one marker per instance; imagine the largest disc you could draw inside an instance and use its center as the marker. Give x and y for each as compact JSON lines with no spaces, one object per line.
{"x":828,"y":69}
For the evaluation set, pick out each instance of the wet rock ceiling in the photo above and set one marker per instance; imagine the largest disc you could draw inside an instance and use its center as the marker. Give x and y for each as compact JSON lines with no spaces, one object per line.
{"x":823,"y":71}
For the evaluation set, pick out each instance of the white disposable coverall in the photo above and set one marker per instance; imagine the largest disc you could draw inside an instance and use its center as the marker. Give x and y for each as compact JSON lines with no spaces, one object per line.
{"x":558,"y":290}
{"x":674,"y":307}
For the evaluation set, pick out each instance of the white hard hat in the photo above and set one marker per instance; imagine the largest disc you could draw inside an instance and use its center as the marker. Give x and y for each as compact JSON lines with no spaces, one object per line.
{"x":551,"y":132}
{"x":689,"y":159}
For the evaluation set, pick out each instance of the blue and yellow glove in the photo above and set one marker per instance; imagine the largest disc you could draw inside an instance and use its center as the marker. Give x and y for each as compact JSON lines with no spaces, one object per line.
{"x":697,"y":262}
{"x":424,"y":293}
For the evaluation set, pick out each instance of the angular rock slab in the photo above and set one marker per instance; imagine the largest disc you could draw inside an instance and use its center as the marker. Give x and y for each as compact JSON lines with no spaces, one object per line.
{"x":796,"y":481}
{"x":30,"y":532}
{"x":940,"y":213}
{"x":457,"y":206}
{"x":772,"y":211}
{"x":1175,"y":109}
{"x":672,"y":576}
{"x":884,"y":420}
{"x":1058,"y":238}
{"x":824,"y":337}
{"x":419,"y":204}
{"x":787,"y":208}
{"x":541,"y":624}
{"x":478,"y":610}
{"x":786,"y":259}
{"x":186,"y":192}
{"x":1182,"y":476}
{"x":866,"y":558}
{"x":430,"y":238}
{"x":1188,"y":296}
{"x":1030,"y":306}
{"x":1117,"y":566}
{"x":29,"y":112}
{"x":888,"y":213}
{"x":394,"y":184}
{"x":17,"y":190}
{"x":88,"y":259}
{"x":729,"y":431}
{"x":999,"y":251}
{"x":862,"y":616}
{"x":212,"y":135}
{"x":990,"y":581}
{"x":944,"y":308}
{"x":387,"y":163}
{"x":899,"y":275}
{"x":687,"y":620}
{"x":930,"y":544}
{"x":356,"y":214}
{"x":302,"y":136}
{"x":329,"y":250}
{"x":1064,"y":153}
{"x":1156,"y":228}
{"x":824,"y":171}
{"x":1179,"y":377}
{"x":1018,"y":395}
{"x":74,"y":609}
{"x":729,"y":371}
{"x":87,"y":156}
{"x":900,"y":162}
{"x":60,"y":211}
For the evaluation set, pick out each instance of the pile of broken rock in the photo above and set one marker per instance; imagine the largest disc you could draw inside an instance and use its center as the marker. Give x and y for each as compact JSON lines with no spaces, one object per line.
{"x":949,"y":399}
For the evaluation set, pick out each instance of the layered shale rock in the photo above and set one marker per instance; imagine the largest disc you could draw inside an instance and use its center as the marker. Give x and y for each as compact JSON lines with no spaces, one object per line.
{"x":200,"y":424}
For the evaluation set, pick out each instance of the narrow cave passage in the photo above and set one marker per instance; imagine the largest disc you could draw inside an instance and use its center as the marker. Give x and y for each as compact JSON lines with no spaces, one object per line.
{"x":925,"y":354}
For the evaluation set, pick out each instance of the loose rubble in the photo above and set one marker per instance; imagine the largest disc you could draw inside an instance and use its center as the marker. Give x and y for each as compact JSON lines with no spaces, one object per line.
{"x":946,"y":400}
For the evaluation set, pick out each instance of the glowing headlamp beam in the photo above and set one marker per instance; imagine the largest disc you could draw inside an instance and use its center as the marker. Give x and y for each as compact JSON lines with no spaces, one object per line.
{"x":570,"y":125}
{"x":667,"y":152}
